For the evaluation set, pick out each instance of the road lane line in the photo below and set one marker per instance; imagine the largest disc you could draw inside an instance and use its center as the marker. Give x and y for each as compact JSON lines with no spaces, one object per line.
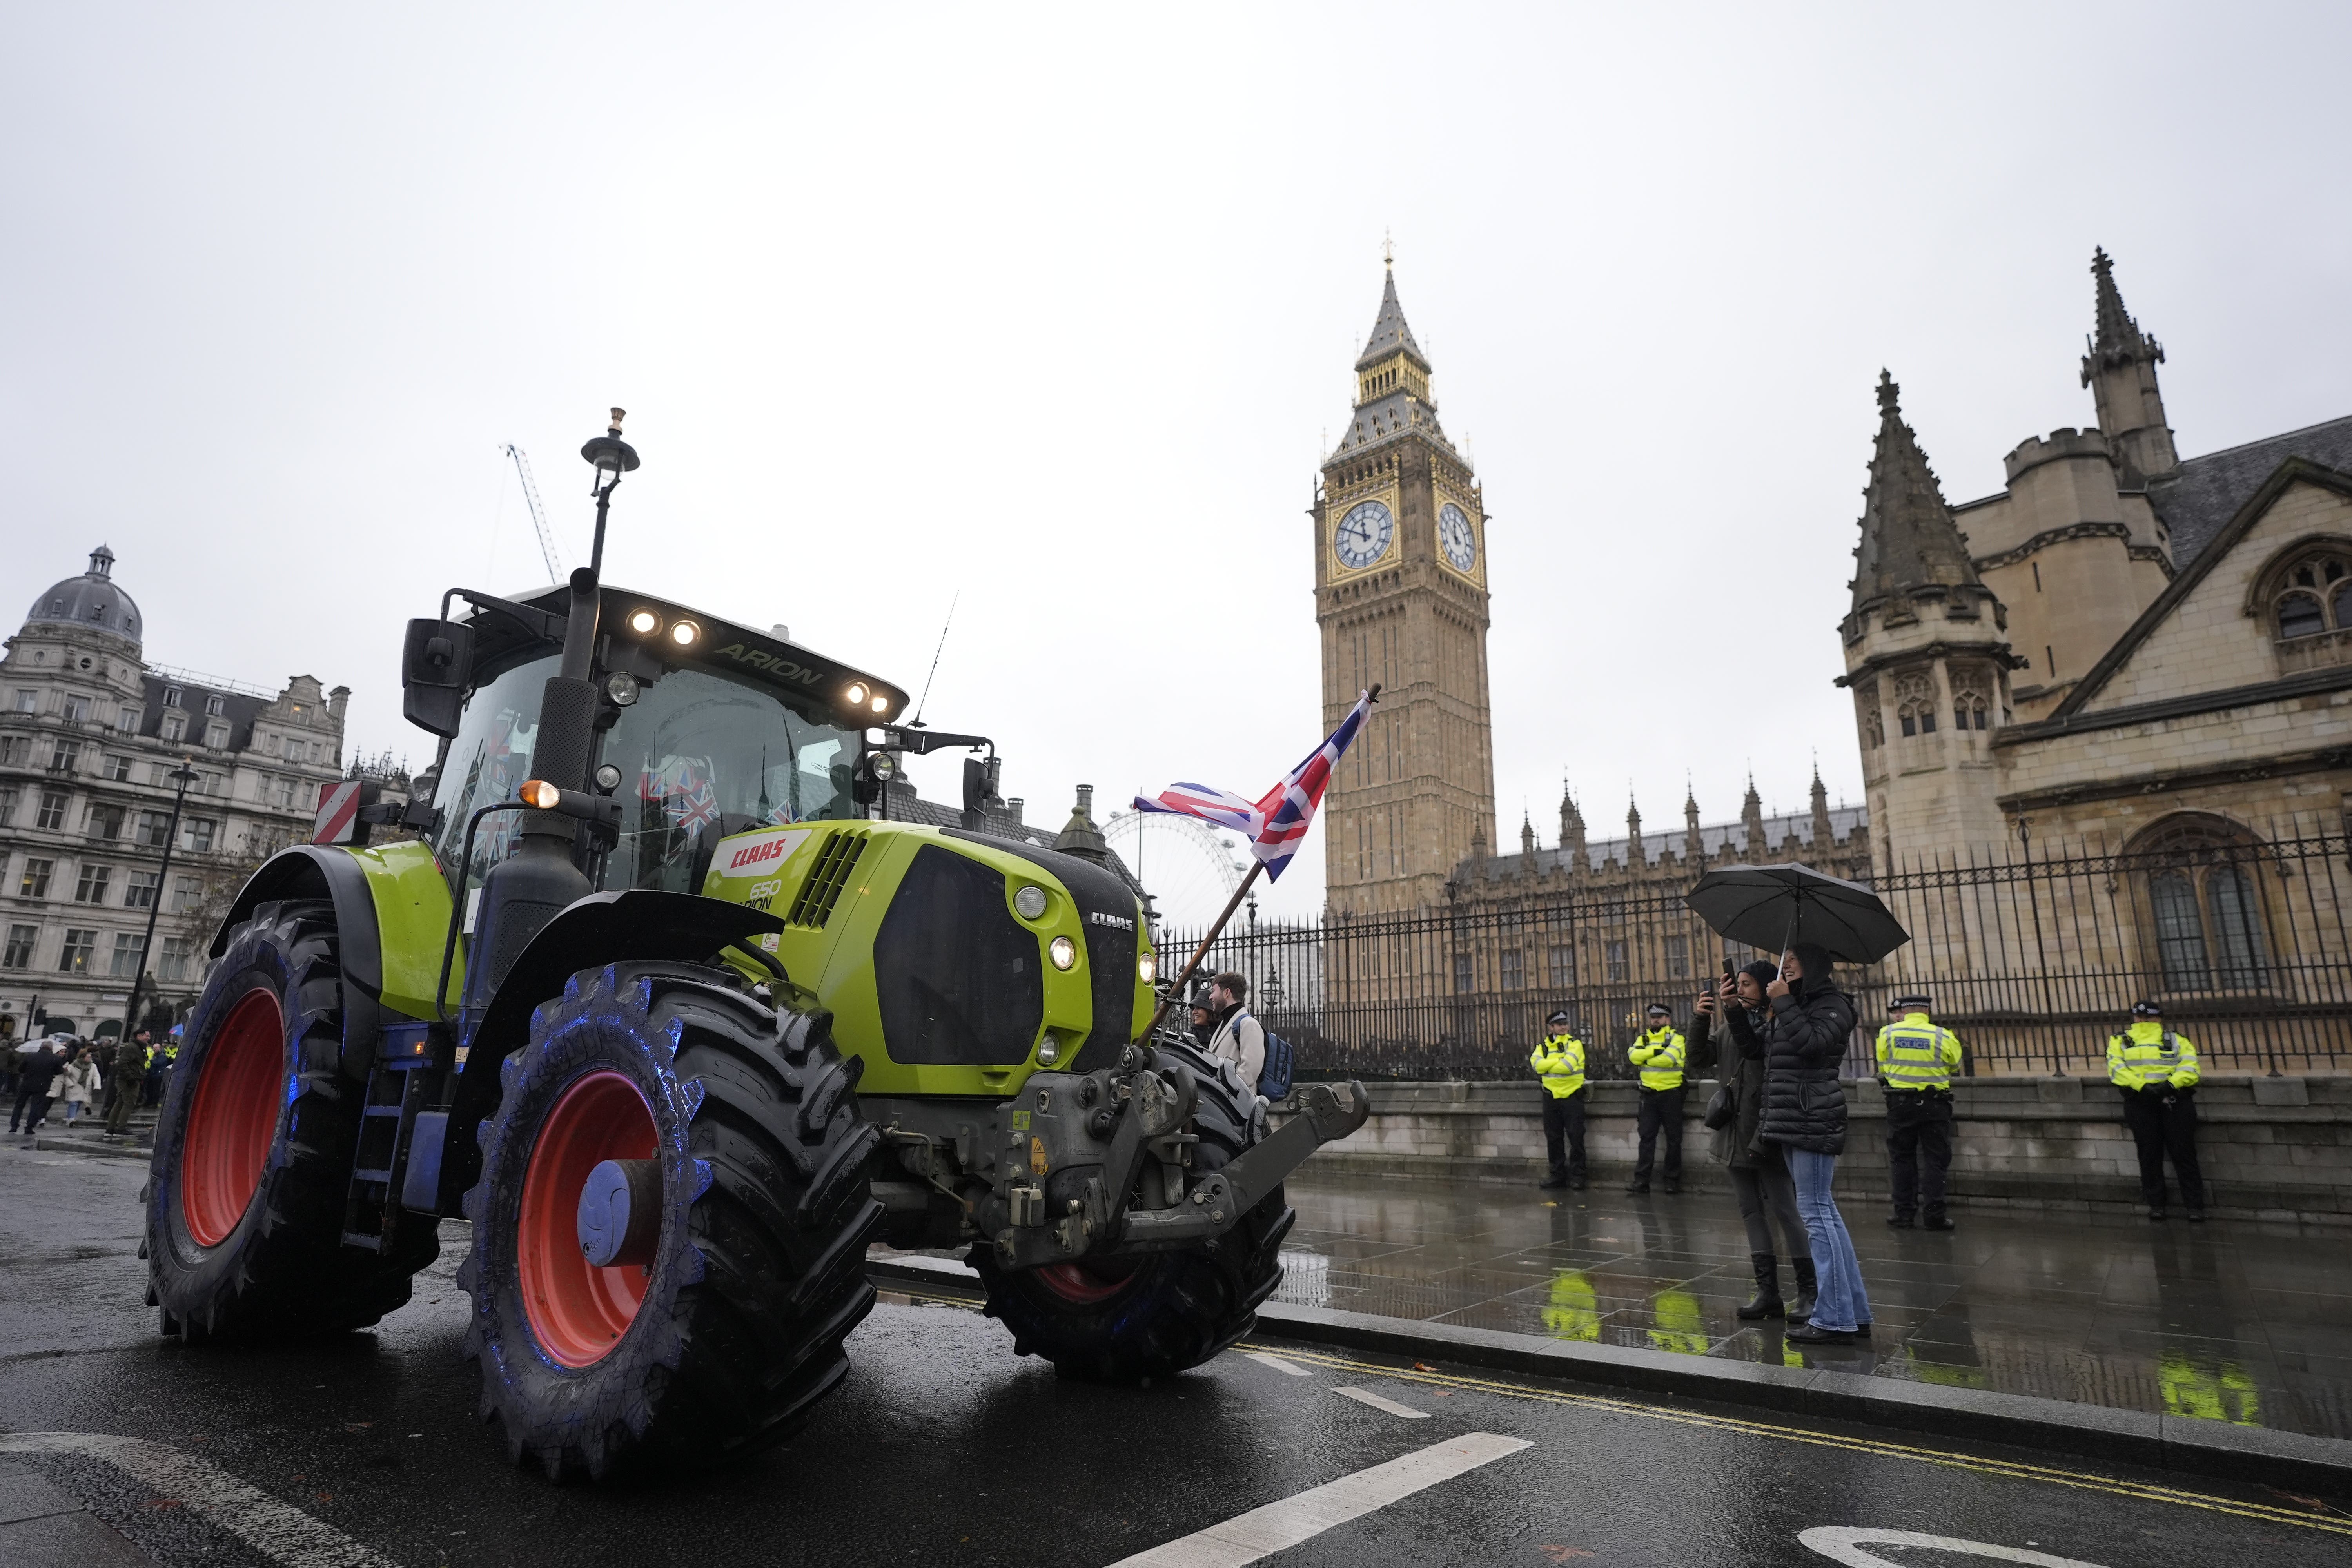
{"x":1263,"y":1532}
{"x":279,"y":1531}
{"x":2150,"y":1491}
{"x":1844,"y":1544}
{"x":1366,"y":1396}
{"x":1267,"y":1358}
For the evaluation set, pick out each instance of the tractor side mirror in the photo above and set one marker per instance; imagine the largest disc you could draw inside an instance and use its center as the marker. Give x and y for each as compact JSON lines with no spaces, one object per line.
{"x":975,"y":785}
{"x":435,"y":662}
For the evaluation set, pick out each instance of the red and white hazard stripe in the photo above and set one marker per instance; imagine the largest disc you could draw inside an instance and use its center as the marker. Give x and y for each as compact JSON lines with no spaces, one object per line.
{"x":338,"y":813}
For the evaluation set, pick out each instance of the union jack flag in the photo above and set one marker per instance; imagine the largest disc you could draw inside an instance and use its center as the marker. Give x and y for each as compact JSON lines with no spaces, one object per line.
{"x":696,"y":808}
{"x":1278,"y":823}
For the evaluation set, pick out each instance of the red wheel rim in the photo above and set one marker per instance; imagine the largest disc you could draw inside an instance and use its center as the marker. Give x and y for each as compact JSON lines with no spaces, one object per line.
{"x":233,"y":1118}
{"x":1081,"y":1284}
{"x":579,"y":1312}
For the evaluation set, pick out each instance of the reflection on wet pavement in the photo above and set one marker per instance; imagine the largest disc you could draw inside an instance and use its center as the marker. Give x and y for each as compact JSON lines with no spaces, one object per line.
{"x":2233,"y":1321}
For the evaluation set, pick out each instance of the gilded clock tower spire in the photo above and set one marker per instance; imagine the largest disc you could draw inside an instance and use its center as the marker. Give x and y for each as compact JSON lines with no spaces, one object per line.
{"x":1401,"y":597}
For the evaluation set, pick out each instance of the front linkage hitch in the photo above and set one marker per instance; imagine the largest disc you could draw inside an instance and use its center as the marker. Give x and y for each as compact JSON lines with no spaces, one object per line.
{"x":1101,"y":1165}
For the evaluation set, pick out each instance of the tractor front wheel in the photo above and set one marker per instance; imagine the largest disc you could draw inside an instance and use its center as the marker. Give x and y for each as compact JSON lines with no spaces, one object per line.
{"x":670,"y":1230}
{"x":1123,"y":1319}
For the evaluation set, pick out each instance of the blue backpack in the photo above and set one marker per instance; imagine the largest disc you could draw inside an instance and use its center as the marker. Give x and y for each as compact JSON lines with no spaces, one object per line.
{"x":1273,"y":1078}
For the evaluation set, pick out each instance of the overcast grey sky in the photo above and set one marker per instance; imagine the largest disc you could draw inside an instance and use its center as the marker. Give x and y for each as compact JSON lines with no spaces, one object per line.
{"x":1057,"y":307}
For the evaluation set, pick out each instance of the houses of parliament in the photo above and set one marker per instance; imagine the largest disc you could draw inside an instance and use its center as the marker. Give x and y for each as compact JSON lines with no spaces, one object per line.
{"x":2123,"y":645}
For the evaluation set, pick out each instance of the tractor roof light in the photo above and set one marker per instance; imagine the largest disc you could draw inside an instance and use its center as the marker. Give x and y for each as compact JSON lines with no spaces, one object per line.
{"x":856,"y":694}
{"x":685,"y":633}
{"x":881,"y":704}
{"x":644,"y":622}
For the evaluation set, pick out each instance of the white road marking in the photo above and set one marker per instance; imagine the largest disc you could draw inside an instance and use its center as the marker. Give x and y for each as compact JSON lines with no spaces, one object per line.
{"x":279,"y":1531}
{"x":1366,"y":1396}
{"x":1263,"y":1532}
{"x":1276,"y":1361}
{"x":1845,"y":1544}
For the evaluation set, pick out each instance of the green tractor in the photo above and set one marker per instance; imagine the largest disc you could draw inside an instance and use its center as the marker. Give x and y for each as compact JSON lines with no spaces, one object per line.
{"x":661,"y":1009}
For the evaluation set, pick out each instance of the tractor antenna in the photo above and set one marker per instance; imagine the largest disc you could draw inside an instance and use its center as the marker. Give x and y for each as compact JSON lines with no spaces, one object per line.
{"x":538,"y":514}
{"x":926,"y":696}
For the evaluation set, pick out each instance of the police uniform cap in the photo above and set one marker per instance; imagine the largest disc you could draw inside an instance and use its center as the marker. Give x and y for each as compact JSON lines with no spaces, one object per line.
{"x":1559,"y":1018}
{"x":2144,"y":1008}
{"x":1912,"y":1001}
{"x":1660,"y":1010}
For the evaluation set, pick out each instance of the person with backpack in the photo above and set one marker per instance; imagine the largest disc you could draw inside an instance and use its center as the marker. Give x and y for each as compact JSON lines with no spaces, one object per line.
{"x":2156,"y":1071}
{"x":1238,"y":1038}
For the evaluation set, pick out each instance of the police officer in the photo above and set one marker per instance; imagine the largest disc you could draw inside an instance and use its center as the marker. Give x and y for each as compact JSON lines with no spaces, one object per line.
{"x":1559,"y":1061}
{"x":1916,"y":1059}
{"x":1660,"y":1054}
{"x":2156,"y":1071}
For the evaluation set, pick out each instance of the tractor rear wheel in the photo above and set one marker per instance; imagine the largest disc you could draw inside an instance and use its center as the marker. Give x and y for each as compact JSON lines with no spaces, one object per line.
{"x":1124,"y":1319}
{"x":252,"y":1167}
{"x":670,"y":1230}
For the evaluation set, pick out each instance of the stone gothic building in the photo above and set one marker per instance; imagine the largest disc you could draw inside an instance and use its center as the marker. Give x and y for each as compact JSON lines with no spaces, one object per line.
{"x":2122,"y":646}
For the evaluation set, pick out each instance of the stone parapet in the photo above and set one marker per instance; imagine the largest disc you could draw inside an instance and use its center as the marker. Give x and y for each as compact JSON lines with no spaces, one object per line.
{"x":2271,"y":1148}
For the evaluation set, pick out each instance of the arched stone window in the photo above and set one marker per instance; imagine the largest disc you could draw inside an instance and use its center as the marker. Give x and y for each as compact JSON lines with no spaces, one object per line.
{"x":1968,"y":704}
{"x":2304,"y":598}
{"x":1914,"y":704}
{"x":2204,"y":879}
{"x":1872,"y":721}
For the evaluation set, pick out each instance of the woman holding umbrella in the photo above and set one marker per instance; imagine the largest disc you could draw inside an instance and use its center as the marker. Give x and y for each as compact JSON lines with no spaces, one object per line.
{"x":1812,"y":919}
{"x":1804,"y":1114}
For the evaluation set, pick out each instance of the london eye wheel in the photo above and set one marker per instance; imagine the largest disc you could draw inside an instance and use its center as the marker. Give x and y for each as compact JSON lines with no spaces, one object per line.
{"x":1190,"y":868}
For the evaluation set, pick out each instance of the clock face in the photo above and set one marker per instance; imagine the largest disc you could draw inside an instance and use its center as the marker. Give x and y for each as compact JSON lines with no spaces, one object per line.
{"x":1453,"y":534}
{"x":1364,"y":534}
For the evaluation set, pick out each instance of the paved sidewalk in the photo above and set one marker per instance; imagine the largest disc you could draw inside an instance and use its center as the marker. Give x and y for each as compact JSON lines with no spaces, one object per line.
{"x":2232,"y":1320}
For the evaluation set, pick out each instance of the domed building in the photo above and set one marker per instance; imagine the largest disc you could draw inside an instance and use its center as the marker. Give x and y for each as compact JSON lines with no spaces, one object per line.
{"x":90,"y":736}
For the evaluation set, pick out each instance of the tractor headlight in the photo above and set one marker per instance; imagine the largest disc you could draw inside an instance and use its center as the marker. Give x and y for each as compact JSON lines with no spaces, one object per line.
{"x":1049,"y":1051}
{"x":856,"y":694}
{"x":644,"y":623}
{"x":622,"y":687}
{"x":1147,"y":969}
{"x":1029,"y":903}
{"x":1063,"y":952}
{"x":881,"y":705}
{"x":684,"y":633}
{"x":608,"y":778}
{"x":883,"y":767}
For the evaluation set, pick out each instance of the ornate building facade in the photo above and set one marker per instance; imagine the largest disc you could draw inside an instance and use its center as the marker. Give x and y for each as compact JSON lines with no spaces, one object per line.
{"x":1401,"y":598}
{"x":2120,"y":643}
{"x":90,"y":734}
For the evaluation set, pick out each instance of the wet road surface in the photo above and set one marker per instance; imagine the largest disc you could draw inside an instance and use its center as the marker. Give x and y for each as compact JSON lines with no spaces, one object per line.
{"x":944,"y":1446}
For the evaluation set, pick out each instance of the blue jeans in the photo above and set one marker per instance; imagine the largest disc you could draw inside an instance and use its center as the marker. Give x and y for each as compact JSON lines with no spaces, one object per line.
{"x":1839,"y":1301}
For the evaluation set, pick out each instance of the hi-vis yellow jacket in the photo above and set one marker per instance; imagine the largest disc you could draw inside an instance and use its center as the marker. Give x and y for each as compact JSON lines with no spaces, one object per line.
{"x":1560,"y":1061}
{"x":1917,"y":1053}
{"x":2148,"y":1054}
{"x":1661,"y":1056}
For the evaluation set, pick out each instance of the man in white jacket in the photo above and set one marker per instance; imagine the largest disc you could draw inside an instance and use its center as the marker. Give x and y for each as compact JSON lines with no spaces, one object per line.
{"x":1239,"y":1037}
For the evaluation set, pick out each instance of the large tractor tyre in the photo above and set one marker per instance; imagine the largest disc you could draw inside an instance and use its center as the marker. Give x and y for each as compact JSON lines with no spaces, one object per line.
{"x":1121,"y":1321}
{"x":252,"y":1168}
{"x":712,"y":1148}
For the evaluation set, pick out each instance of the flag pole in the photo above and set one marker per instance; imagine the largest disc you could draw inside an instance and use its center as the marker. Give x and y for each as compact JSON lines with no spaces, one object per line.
{"x":1192,"y":965}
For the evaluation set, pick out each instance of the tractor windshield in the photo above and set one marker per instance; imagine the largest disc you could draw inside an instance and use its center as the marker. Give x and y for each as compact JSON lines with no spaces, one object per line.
{"x":699,"y":756}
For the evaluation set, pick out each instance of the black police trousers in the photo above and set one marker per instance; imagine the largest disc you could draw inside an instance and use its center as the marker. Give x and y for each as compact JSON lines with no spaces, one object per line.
{"x":1918,"y":1149}
{"x":1563,"y":1122}
{"x":1660,"y":1110}
{"x":2163,"y":1121}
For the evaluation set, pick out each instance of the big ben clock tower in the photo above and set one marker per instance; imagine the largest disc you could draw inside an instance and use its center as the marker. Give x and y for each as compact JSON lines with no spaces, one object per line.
{"x":1400,"y":596}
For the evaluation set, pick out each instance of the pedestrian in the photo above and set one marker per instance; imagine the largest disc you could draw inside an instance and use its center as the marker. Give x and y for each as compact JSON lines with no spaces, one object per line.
{"x":151,"y":1088}
{"x":123,"y":1085}
{"x":1205,"y":1019}
{"x":32,"y":1083}
{"x":1760,"y":1175}
{"x":1916,"y":1059}
{"x":1559,"y":1061}
{"x":1660,"y":1053}
{"x":1805,"y":1113}
{"x":82,"y":1081}
{"x":1238,"y":1037}
{"x":2156,"y":1071}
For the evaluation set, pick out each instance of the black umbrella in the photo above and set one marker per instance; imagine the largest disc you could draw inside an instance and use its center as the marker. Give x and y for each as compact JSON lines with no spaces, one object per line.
{"x":1776,"y":906}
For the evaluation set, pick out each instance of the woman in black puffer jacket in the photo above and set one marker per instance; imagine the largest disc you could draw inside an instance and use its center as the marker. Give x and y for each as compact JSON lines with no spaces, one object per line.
{"x":1804,"y":1114}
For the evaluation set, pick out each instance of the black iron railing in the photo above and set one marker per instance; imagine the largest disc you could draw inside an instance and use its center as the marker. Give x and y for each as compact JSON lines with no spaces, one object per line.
{"x":2033,"y":953}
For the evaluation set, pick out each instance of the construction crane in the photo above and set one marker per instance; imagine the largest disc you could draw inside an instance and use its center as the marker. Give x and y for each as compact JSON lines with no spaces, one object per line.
{"x":538,"y":514}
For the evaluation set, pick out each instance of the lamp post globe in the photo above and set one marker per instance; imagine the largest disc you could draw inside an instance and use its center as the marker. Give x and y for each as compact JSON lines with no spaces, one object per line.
{"x":611,"y":458}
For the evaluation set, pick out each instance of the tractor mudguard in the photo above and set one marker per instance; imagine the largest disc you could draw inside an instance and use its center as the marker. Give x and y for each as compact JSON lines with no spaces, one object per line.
{"x":601,"y":929}
{"x":312,"y":870}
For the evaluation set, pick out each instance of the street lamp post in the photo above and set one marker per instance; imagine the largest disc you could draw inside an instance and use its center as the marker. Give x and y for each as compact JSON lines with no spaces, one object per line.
{"x":182,"y":776}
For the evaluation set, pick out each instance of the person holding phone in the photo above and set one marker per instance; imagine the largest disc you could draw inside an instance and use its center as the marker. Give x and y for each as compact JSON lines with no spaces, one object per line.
{"x":1760,"y":1176}
{"x":1805,"y":1113}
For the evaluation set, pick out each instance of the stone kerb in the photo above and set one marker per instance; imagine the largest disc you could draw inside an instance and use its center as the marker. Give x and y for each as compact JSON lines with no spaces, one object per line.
{"x":2271,"y":1148}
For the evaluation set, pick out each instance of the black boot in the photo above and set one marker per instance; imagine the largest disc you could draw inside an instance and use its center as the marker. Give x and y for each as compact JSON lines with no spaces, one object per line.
{"x":1766,"y":1302}
{"x":1802,"y":1307}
